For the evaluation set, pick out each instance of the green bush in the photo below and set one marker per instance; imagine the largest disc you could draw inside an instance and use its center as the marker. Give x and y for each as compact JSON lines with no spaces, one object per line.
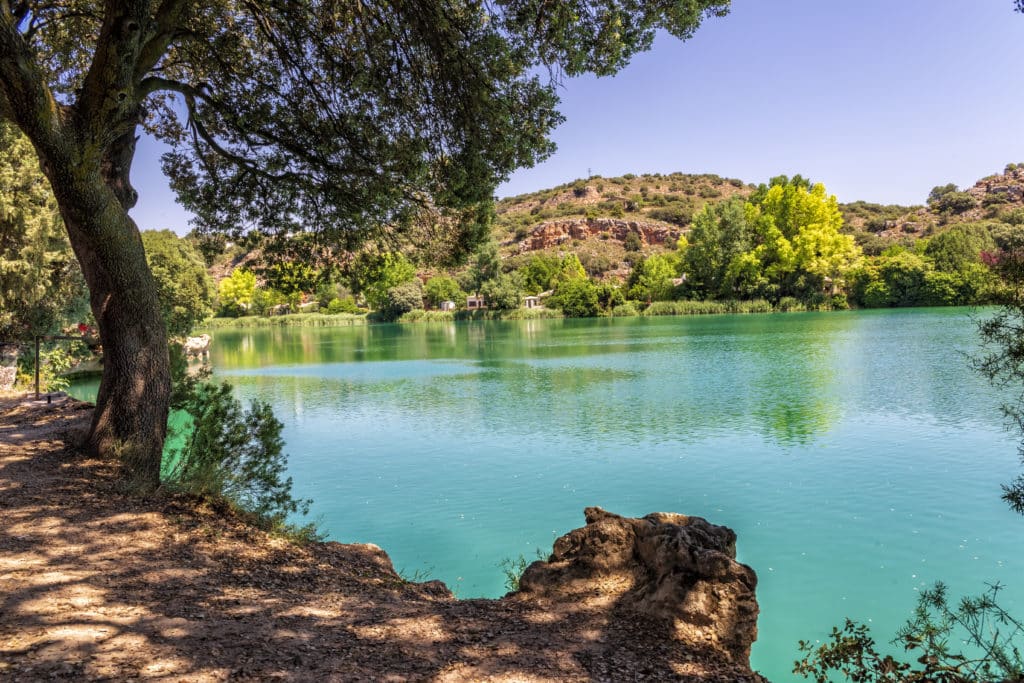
{"x":233,"y":454}
{"x":789,"y":304}
{"x":838,"y":302}
{"x":877,"y":295}
{"x":676,"y":213}
{"x":401,"y":299}
{"x":954,"y":203}
{"x":501,"y":293}
{"x":632,"y":242}
{"x":626,"y":310}
{"x":994,"y":638}
{"x":343,"y":305}
{"x":1013,"y":217}
{"x":576,"y":297}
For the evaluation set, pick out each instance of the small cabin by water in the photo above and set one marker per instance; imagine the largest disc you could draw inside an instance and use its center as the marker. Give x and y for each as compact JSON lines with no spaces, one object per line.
{"x":475,"y":302}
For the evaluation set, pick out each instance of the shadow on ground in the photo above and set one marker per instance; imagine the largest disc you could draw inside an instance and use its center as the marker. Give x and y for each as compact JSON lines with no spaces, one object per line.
{"x":95,"y":584}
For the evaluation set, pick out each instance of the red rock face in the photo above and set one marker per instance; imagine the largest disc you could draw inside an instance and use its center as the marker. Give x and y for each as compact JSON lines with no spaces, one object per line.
{"x":677,"y":569}
{"x":555,"y":233}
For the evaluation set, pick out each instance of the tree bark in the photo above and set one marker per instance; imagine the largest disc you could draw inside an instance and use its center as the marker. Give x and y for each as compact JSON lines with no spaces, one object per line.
{"x":86,"y":149}
{"x":130,"y":420}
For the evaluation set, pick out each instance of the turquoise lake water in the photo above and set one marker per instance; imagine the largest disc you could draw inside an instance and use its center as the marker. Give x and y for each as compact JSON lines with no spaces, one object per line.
{"x":855,"y":454}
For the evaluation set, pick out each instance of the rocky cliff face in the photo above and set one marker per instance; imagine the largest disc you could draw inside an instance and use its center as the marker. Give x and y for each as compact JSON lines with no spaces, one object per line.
{"x":677,"y":569}
{"x":1008,"y":187}
{"x":554,"y":233}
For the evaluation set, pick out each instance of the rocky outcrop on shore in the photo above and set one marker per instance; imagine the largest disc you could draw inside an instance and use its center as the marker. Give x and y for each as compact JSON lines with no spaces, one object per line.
{"x":665,"y":566}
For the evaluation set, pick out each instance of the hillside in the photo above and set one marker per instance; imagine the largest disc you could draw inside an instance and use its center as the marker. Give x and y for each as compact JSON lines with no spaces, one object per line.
{"x":594,"y":217}
{"x":613,"y":224}
{"x":998,"y":197}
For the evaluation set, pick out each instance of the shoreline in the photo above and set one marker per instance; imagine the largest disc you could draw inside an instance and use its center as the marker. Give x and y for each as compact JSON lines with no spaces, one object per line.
{"x":99,"y":584}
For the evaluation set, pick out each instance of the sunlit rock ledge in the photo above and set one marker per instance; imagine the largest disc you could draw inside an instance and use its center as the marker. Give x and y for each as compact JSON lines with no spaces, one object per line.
{"x":666,"y":566}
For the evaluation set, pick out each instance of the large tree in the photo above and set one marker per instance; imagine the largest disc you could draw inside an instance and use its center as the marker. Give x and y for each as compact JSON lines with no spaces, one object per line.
{"x":41,"y":285}
{"x":344,"y":117}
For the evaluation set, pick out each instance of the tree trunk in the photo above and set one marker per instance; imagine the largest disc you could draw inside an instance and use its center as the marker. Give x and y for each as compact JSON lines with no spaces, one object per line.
{"x":130,"y":420}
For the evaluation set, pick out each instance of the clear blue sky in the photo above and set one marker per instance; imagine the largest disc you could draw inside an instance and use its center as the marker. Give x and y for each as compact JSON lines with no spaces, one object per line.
{"x":879,"y":99}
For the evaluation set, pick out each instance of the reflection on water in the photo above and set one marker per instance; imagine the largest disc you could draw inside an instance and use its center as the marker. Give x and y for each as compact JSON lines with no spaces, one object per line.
{"x":855,"y":454}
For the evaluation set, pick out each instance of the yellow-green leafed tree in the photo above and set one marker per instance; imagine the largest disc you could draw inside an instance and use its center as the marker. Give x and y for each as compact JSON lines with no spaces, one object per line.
{"x":236,"y":291}
{"x":801,"y":246}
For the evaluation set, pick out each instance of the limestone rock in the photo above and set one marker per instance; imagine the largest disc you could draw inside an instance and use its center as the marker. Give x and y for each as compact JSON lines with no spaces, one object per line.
{"x":665,"y":566}
{"x":554,"y":233}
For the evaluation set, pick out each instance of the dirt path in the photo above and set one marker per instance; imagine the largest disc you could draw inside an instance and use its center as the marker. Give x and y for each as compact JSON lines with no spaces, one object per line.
{"x":97,"y":585}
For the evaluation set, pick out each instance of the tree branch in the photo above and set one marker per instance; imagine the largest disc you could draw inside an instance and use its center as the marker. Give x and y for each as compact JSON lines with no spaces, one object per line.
{"x":26,"y":98}
{"x":167,"y":22}
{"x":105,"y":98}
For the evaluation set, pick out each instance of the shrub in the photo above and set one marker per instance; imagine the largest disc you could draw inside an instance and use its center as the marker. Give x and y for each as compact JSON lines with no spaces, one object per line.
{"x":788,"y":304}
{"x":1013,"y":217}
{"x":993,"y":634}
{"x":501,"y":293}
{"x":676,"y":213}
{"x":576,"y":297}
{"x":344,"y":305}
{"x":632,"y":241}
{"x":626,"y":310}
{"x":442,"y":288}
{"x":595,"y":264}
{"x":954,"y":202}
{"x":838,"y":302}
{"x":231,"y":453}
{"x":402,"y":298}
{"x":877,"y":295}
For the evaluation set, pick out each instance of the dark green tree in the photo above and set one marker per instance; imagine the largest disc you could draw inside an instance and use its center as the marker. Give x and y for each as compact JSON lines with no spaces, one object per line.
{"x":41,"y":285}
{"x":291,"y":277}
{"x":719,"y":235}
{"x":183,"y":286}
{"x":351,"y":119}
{"x":502,"y":293}
{"x":577,"y":297}
{"x":960,"y":246}
{"x":374,"y":274}
{"x":442,"y":288}
{"x":539,"y":273}
{"x":486,"y":266}
{"x":402,"y":298}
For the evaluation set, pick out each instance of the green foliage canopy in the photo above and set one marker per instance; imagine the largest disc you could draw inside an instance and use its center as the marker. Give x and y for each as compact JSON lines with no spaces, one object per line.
{"x":577,"y":297}
{"x":502,"y":293}
{"x":402,"y":298}
{"x":236,"y":291}
{"x":719,"y":236}
{"x":185,"y":289}
{"x":442,"y":288}
{"x":41,"y":285}
{"x":374,"y":274}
